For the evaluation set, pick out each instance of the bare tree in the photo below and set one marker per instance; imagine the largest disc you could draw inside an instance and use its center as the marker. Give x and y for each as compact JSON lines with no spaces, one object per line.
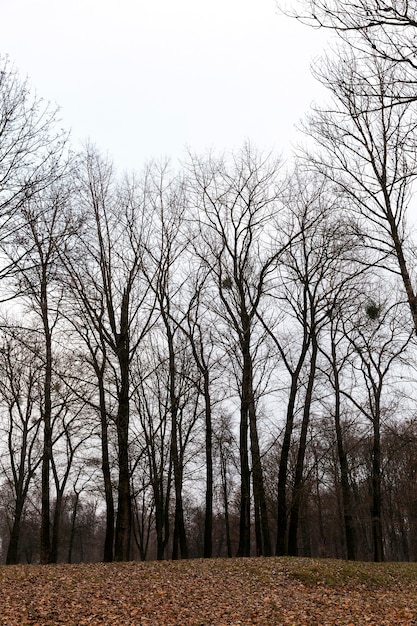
{"x":336,"y":354}
{"x":73,"y":433}
{"x":383,"y":27}
{"x":369,"y":152}
{"x":167,"y":281}
{"x":31,"y":147}
{"x":379,"y":340}
{"x":97,"y":391}
{"x":45,"y":223}
{"x":235,"y":201}
{"x":317,"y":262}
{"x":152,"y":407}
{"x":114,"y":299}
{"x":20,"y":399}
{"x":198,"y":330}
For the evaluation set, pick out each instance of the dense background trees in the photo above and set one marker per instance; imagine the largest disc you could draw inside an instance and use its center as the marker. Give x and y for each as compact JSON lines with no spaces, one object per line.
{"x":216,"y":359}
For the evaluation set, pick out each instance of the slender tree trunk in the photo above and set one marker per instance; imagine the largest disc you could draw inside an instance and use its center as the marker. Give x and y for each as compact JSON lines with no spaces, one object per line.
{"x":223,"y":472}
{"x":299,"y":469}
{"x":349,"y":526}
{"x":73,"y":526}
{"x":280,"y":549}
{"x":56,"y":527}
{"x":12,"y":550}
{"x":105,"y":468}
{"x":244,"y":522}
{"x":124,"y":503}
{"x":402,"y":263}
{"x":377,"y":538}
{"x":160,"y":478}
{"x":208,"y":519}
{"x":159,"y":522}
{"x":45,"y":539}
{"x":180,"y":548}
{"x":282,"y":520}
{"x":263,"y":539}
{"x":161,"y":500}
{"x":22,"y":487}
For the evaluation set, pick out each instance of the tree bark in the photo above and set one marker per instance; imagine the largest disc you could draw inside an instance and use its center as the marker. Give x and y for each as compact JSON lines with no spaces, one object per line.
{"x":124,"y":502}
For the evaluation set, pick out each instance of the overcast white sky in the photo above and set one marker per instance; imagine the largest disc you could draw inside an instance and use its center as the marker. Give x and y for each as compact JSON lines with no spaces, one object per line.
{"x":145,"y":78}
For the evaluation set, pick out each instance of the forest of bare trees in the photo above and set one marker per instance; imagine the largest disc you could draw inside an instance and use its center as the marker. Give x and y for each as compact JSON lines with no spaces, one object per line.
{"x":217,"y":358}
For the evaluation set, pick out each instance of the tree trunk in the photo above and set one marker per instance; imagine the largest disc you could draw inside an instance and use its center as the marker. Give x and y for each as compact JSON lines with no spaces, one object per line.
{"x":105,"y":468}
{"x":299,"y":469}
{"x":349,"y":526}
{"x":73,"y":527}
{"x":21,"y":487}
{"x":280,"y":549}
{"x":45,"y":539}
{"x":399,"y":252}
{"x":244,"y":521}
{"x":12,"y":550}
{"x":263,"y":539}
{"x":124,"y":516}
{"x":208,"y":519}
{"x":223,"y":471}
{"x":124,"y":503}
{"x":180,"y":548}
{"x":377,"y":540}
{"x":56,"y":527}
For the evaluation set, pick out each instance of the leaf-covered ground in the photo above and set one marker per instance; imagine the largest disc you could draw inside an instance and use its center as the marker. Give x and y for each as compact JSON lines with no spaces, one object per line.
{"x":218,"y":592}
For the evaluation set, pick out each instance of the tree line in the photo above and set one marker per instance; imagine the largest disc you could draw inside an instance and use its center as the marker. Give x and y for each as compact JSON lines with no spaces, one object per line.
{"x":216,"y":358}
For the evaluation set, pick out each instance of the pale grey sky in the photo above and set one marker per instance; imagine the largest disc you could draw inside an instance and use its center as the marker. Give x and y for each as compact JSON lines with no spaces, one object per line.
{"x":145,"y":78}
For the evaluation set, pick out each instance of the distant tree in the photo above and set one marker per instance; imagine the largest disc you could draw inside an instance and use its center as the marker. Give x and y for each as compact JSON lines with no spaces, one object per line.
{"x":73,"y":432}
{"x":152,"y":408}
{"x":20,"y":401}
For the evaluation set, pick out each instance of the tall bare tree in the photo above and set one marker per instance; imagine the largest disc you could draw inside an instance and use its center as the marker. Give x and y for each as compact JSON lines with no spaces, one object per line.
{"x":167,"y":279}
{"x":110,"y":292}
{"x":318,"y":261}
{"x":234,"y":202}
